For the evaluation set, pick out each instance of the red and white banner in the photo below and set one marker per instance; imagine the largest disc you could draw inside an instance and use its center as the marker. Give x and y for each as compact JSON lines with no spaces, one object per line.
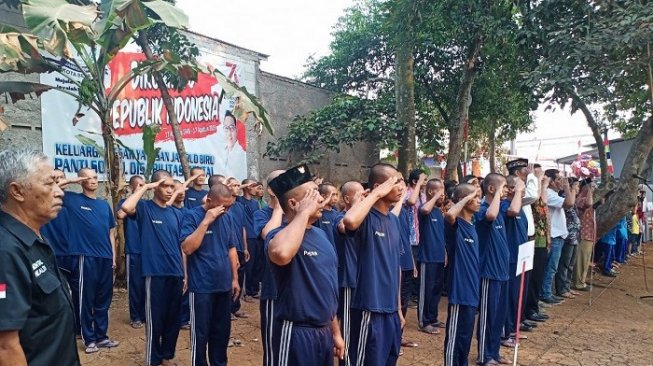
{"x":209,"y":143}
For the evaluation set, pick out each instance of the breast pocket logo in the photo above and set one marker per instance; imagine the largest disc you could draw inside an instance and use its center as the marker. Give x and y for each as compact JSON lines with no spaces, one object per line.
{"x":469,"y":240}
{"x":379,"y":234}
{"x":310,"y":253}
{"x":39,"y":268}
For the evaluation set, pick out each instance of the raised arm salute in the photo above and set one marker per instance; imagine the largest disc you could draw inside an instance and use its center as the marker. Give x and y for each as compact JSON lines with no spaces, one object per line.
{"x":162,"y":265}
{"x":375,"y":305}
{"x":304,"y":265}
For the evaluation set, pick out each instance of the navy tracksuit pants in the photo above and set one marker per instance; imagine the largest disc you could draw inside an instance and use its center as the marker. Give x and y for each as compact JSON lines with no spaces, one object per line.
{"x":491,"y":318}
{"x":135,"y":288}
{"x":210,"y":319}
{"x":235,"y":305}
{"x":294,"y":344}
{"x":92,"y":289}
{"x":269,"y":326}
{"x":162,"y":307}
{"x":430,"y":291}
{"x":254,"y":268}
{"x":375,"y":338}
{"x":460,"y":329}
{"x":344,"y":315}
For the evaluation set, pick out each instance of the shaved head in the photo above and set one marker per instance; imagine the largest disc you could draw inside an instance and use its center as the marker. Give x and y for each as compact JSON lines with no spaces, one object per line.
{"x":493,"y":180}
{"x":350,"y":186}
{"x":381,"y":172}
{"x":461,"y":191}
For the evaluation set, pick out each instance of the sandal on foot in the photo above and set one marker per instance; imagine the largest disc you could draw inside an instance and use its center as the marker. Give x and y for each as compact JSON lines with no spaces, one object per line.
{"x":108,"y":343}
{"x":430,"y":329}
{"x":439,"y":325}
{"x":91,"y":348}
{"x":407,"y":343}
{"x":504,"y":361}
{"x":136,"y":324}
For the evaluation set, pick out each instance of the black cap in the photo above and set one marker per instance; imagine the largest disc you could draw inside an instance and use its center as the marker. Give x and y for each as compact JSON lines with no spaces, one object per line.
{"x":291,"y":178}
{"x":517,"y":163}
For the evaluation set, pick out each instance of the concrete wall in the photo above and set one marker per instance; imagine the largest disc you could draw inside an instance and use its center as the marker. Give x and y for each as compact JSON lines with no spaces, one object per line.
{"x":286,"y":98}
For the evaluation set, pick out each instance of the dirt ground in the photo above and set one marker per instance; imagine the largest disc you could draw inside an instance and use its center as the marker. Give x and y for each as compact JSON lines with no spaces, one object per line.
{"x":617,"y":329}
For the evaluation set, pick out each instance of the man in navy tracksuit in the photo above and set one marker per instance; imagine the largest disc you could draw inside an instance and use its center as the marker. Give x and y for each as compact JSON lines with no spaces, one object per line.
{"x":431,"y":254}
{"x":253,"y":269}
{"x":517,"y":234}
{"x":212,"y":264}
{"x":57,"y":231}
{"x":237,"y":214}
{"x":304,"y":266}
{"x":494,"y":259}
{"x":346,"y":248}
{"x":135,"y":280}
{"x":93,"y":242}
{"x":162,"y":266}
{"x":330,"y":216}
{"x":463,"y":280}
{"x":265,"y":220}
{"x":376,"y":319}
{"x":195,"y":193}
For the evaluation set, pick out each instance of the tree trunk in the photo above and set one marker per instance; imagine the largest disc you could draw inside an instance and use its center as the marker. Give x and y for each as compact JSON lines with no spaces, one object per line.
{"x":463,"y":100}
{"x":596,"y":133}
{"x":624,"y":196}
{"x":170,"y":108}
{"x":493,"y":154}
{"x":405,"y":106}
{"x":114,"y":178}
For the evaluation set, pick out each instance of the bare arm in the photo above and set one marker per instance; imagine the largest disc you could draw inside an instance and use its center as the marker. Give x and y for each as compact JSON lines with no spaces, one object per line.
{"x":414,"y":195}
{"x":233,"y":260}
{"x":493,"y":210}
{"x":516,"y":203}
{"x":194,"y":240}
{"x":284,"y":246}
{"x":356,"y":215}
{"x":570,"y":198}
{"x":338,"y":342}
{"x":455,"y":210}
{"x":112,"y":238}
{"x":129,"y":206}
{"x":430,"y":204}
{"x":275,"y":220}
{"x":11,"y":352}
{"x":396,"y":209}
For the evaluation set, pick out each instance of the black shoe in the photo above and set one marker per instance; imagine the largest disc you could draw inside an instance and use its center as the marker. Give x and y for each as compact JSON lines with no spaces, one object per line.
{"x":551,"y":300}
{"x":525,"y":328}
{"x":543,"y":316}
{"x":530,"y":323}
{"x":586,"y":288}
{"x":536,"y":318}
{"x":610,"y":274}
{"x":559,"y":298}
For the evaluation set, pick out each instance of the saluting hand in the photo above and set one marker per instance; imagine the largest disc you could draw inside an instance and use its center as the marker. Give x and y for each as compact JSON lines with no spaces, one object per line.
{"x":213,"y":213}
{"x":386,"y":187}
{"x":153,"y":185}
{"x":310,"y":203}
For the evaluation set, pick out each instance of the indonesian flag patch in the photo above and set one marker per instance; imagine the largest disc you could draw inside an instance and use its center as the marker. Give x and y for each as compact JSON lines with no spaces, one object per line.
{"x":3,"y":290}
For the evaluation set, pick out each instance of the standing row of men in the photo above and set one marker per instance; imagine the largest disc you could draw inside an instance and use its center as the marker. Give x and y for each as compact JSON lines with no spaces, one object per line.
{"x":330,"y":281}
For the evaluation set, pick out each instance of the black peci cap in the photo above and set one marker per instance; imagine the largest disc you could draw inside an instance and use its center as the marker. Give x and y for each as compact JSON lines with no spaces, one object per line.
{"x":517,"y":163}
{"x":291,"y":178}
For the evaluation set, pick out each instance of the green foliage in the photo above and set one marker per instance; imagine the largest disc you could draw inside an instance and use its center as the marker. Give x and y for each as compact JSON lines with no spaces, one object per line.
{"x":149,"y":135}
{"x":362,"y":63}
{"x":345,"y":121}
{"x":598,"y":51}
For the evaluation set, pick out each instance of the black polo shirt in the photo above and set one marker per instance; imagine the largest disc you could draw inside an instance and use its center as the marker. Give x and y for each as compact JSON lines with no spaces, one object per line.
{"x":34,"y":298}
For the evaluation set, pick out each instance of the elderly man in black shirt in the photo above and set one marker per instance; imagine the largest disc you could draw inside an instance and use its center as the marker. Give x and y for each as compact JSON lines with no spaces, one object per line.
{"x":36,"y":313}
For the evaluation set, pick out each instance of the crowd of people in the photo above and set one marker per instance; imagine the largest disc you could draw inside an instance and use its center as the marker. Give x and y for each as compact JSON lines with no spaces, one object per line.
{"x":335,"y":269}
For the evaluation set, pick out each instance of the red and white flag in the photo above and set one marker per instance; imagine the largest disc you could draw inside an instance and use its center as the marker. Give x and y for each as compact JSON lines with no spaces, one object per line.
{"x":3,"y":290}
